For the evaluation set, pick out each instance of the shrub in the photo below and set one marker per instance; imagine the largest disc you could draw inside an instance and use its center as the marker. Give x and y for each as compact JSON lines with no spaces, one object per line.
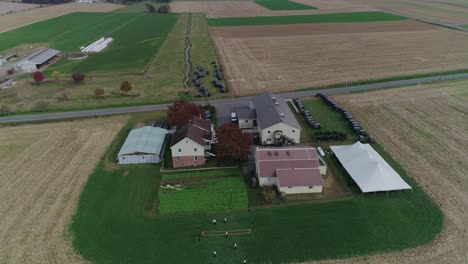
{"x":164,"y":9}
{"x":78,"y":77}
{"x":63,"y":97}
{"x":56,"y":75}
{"x":98,"y":92}
{"x":38,"y":77}
{"x":125,"y":87}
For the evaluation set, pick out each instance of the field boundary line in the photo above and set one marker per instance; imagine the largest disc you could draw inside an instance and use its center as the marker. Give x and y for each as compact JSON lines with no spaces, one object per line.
{"x":227,"y":232}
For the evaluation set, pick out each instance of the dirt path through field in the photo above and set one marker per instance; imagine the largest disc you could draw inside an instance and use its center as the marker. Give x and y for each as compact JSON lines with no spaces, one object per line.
{"x":425,"y":128}
{"x":20,"y":19}
{"x":43,"y":168}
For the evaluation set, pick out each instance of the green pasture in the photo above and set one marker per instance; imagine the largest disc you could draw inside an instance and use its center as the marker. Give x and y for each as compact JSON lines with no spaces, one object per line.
{"x":304,"y":19}
{"x":283,"y":5}
{"x":137,"y":39}
{"x":116,"y":221}
{"x":201,"y":174}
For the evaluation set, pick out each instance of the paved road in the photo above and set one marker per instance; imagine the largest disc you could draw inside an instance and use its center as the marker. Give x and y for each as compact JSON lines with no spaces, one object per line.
{"x":223,"y":102}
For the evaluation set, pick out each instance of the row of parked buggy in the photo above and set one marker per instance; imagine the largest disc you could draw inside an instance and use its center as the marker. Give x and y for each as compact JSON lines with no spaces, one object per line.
{"x":201,"y":73}
{"x":330,"y":135}
{"x":307,"y":115}
{"x":355,"y":126}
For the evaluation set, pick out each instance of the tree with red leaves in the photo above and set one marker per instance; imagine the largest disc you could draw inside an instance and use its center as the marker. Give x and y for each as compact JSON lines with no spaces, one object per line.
{"x":38,"y":77}
{"x":232,"y":142}
{"x":78,"y":77}
{"x":182,"y":111}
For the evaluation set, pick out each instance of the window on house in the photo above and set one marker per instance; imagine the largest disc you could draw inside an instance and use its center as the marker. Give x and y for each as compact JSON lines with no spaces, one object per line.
{"x":177,"y":158}
{"x":195,"y":149}
{"x":246,"y":121}
{"x":289,"y":187}
{"x":294,"y":131}
{"x":195,"y":158}
{"x":269,"y":131}
{"x":310,"y":187}
{"x":180,"y":150}
{"x":268,"y":139}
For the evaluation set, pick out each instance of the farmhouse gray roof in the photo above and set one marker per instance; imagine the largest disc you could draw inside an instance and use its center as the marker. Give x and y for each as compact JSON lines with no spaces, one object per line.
{"x":246,"y":113}
{"x":270,"y":114}
{"x":42,"y":56}
{"x":146,"y":140}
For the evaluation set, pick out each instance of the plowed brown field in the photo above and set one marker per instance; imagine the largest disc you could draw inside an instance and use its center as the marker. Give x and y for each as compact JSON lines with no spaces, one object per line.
{"x":15,"y":20}
{"x":250,"y":9}
{"x":289,"y":62}
{"x":425,"y":128}
{"x":43,"y":168}
{"x":442,"y":11}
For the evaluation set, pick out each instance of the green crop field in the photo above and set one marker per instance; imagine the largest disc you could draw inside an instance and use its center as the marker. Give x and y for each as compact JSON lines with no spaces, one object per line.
{"x":304,"y":19}
{"x":205,"y":195}
{"x":115,"y":222}
{"x":137,"y":39}
{"x":283,"y":5}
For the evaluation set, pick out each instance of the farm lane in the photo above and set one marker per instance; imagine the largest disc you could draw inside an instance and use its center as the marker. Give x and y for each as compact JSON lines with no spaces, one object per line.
{"x":216,"y":102}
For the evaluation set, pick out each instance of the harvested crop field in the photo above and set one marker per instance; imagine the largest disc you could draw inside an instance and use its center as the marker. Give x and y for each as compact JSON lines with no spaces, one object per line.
{"x":425,"y":128}
{"x":16,"y":20}
{"x":284,"y":61}
{"x":12,"y":7}
{"x":43,"y":168}
{"x":445,"y":11}
{"x":217,"y":9}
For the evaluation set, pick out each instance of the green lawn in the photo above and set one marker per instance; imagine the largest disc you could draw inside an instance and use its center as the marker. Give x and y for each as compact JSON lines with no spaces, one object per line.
{"x":205,"y":195}
{"x":304,"y":19}
{"x":200,"y":174}
{"x":137,"y":39}
{"x":115,"y":222}
{"x":283,"y":5}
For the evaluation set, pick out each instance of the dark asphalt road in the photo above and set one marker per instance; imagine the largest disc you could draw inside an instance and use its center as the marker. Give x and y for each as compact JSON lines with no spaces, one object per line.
{"x":223,"y":102}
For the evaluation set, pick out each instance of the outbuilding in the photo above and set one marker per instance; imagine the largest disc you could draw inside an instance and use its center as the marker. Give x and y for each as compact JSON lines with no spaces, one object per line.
{"x":292,"y":170}
{"x":143,"y":145}
{"x":37,"y":60}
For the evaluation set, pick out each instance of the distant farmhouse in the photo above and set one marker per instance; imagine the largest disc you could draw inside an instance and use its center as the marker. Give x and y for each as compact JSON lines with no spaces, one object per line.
{"x":37,"y":60}
{"x":292,"y":170}
{"x":191,"y":143}
{"x":143,"y":145}
{"x":272,"y":118}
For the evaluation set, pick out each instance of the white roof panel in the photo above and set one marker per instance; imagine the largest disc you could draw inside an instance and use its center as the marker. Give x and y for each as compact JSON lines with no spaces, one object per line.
{"x":147,"y":140}
{"x":368,"y":169}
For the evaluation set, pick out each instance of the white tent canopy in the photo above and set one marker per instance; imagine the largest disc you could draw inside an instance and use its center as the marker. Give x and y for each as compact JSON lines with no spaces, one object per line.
{"x":368,"y":169}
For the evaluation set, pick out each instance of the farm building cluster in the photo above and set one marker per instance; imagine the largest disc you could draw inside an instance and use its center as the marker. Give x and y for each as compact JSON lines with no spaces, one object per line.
{"x":38,"y":60}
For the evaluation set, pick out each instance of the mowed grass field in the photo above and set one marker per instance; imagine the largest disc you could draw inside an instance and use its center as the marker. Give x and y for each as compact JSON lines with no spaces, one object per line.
{"x":116,"y":220}
{"x":283,"y":5}
{"x":304,"y":19}
{"x":137,"y":39}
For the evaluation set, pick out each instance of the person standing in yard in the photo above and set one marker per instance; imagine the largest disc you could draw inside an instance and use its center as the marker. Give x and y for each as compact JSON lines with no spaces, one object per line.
{"x":214,"y":254}
{"x":227,"y":234}
{"x":214,"y":221}
{"x":235,"y":245}
{"x":225,"y":220}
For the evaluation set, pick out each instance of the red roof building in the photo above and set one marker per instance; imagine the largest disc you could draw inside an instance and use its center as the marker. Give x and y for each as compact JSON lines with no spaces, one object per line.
{"x":292,"y":169}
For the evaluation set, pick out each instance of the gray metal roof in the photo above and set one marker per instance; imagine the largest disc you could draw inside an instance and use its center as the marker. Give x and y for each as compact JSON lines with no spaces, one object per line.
{"x":246,"y":113}
{"x":269,"y":114}
{"x":42,"y":56}
{"x":147,"y":139}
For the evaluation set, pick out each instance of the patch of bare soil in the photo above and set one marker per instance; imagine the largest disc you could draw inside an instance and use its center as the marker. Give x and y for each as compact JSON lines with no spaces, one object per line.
{"x":16,"y":20}
{"x":425,"y":128}
{"x":43,"y":168}
{"x":256,"y":64}
{"x":12,"y":7}
{"x":319,"y":29}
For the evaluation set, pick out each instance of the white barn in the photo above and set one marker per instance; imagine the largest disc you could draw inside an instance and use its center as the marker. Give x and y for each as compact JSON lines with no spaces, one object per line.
{"x":143,"y":145}
{"x":276,"y":123}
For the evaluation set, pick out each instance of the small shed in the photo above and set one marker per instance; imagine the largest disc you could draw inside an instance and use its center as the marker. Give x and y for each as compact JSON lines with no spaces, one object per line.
{"x":299,"y":180}
{"x":143,"y":145}
{"x":247,"y":118}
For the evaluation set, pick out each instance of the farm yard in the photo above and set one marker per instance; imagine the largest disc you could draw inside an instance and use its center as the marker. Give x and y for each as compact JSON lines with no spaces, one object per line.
{"x":20,"y":19}
{"x":290,"y":57}
{"x":219,"y":9}
{"x":12,"y":7}
{"x":424,"y":127}
{"x":154,"y":66}
{"x":43,"y":168}
{"x":117,"y":219}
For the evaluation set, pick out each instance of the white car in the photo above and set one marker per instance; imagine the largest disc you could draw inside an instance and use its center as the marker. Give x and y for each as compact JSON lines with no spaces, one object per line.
{"x":233,"y":117}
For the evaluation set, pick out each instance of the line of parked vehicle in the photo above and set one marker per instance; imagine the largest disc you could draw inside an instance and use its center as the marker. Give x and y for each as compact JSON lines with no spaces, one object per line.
{"x":355,"y":126}
{"x":201,"y":73}
{"x":307,"y":115}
